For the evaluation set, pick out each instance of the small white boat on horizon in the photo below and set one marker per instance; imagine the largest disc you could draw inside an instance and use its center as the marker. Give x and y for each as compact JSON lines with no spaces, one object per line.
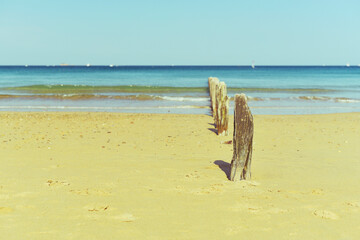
{"x":111,"y":65}
{"x":348,"y":64}
{"x":88,"y":65}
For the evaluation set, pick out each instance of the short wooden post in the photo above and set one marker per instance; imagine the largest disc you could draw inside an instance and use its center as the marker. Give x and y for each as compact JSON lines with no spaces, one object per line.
{"x":242,"y":140}
{"x":222,"y":108}
{"x":213,"y":82}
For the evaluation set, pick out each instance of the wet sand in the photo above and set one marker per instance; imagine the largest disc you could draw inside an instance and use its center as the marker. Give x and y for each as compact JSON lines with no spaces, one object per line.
{"x":154,"y":176}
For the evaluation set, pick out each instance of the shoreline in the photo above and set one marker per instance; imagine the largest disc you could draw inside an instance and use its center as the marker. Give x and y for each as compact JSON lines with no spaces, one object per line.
{"x":178,"y":110}
{"x":81,"y":175}
{"x":180,"y":114}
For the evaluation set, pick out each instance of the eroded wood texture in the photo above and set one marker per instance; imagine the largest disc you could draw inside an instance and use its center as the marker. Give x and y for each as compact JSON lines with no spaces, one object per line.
{"x":242,"y":140}
{"x":222,"y":108}
{"x":213,"y":82}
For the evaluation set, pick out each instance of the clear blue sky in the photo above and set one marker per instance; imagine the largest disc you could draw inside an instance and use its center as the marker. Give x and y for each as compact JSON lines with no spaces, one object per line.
{"x":196,"y":32}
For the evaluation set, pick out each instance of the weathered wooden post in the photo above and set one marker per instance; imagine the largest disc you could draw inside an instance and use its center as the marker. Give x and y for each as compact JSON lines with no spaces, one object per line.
{"x":213,"y":82}
{"x":242,"y":140}
{"x":210,"y":82}
{"x":222,"y":108}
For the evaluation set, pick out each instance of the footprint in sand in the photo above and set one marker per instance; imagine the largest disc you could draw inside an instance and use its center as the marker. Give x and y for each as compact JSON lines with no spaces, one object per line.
{"x":214,"y":188}
{"x":179,"y":188}
{"x":325,"y":214}
{"x":4,"y":210}
{"x":53,"y":183}
{"x":254,"y":209}
{"x":192,"y":175}
{"x":97,"y":208}
{"x":246,"y":184}
{"x":250,"y":183}
{"x":353,"y":204}
{"x":86,"y":192}
{"x":317,"y":192}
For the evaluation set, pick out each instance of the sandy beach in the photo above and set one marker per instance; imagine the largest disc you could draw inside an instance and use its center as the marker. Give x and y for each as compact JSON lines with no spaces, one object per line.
{"x":163,"y":176}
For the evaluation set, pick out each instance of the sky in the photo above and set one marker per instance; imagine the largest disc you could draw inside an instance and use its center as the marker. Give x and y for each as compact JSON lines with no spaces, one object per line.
{"x":187,"y":32}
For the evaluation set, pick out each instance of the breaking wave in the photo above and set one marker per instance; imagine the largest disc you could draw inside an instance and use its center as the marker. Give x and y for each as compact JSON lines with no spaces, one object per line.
{"x":149,"y":97}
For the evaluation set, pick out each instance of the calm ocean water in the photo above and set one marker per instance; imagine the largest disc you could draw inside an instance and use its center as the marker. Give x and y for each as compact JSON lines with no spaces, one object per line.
{"x":178,"y":89}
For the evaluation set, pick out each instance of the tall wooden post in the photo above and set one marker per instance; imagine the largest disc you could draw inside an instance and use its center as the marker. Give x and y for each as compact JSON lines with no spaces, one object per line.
{"x":213,"y":82}
{"x":242,"y":140}
{"x":222,"y":108}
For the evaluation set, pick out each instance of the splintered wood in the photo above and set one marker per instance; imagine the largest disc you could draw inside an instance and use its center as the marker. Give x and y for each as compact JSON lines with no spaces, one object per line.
{"x":219,"y":105}
{"x":242,"y":140}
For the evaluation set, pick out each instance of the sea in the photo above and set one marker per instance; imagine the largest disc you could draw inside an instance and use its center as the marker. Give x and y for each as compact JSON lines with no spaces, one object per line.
{"x":179,"y":89}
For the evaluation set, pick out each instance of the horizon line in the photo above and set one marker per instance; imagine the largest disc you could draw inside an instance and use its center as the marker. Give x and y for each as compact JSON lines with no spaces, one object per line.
{"x":170,"y":65}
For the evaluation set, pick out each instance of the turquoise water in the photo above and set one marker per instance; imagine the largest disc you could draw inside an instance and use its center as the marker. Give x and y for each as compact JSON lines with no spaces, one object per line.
{"x":178,"y":89}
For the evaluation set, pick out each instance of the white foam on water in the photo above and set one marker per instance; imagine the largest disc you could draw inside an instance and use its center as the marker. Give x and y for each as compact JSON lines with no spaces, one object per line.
{"x":185,"y":99}
{"x":344,"y":100}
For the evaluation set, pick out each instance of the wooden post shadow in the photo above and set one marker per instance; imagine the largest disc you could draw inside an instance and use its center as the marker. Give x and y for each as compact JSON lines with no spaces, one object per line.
{"x":224,"y":166}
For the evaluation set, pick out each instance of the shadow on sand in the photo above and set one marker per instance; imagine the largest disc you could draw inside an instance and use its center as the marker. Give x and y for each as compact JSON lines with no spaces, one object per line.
{"x":224,"y":166}
{"x":214,"y":130}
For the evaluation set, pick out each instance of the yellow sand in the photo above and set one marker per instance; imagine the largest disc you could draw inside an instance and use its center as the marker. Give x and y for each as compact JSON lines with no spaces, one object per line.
{"x":141,"y":176}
